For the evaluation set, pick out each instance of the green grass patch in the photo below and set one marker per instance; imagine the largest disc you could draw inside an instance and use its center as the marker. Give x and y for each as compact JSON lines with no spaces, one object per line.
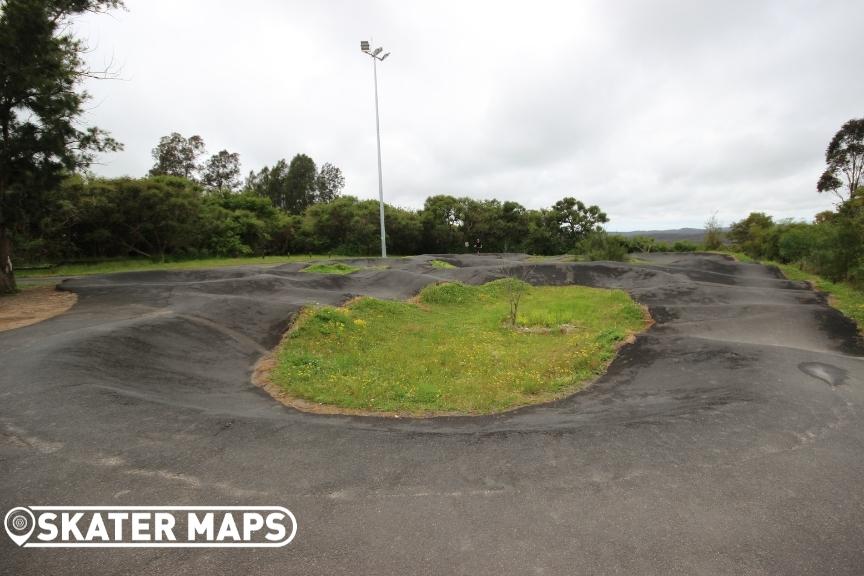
{"x":331,"y":268}
{"x":451,"y":350}
{"x":138,"y":264}
{"x":841,"y":295}
{"x":741,"y":257}
{"x":441,"y":264}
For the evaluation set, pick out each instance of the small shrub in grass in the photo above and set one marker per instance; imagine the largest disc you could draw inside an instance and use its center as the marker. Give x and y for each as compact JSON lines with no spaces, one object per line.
{"x":513,"y":289}
{"x":601,"y":246}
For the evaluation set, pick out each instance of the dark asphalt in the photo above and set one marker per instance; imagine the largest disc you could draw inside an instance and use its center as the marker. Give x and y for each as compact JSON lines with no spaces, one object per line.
{"x":727,"y":440}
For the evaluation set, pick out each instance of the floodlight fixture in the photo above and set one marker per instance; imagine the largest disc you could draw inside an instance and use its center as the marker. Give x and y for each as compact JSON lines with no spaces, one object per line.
{"x":384,"y":56}
{"x":377,"y":51}
{"x":364,"y":45}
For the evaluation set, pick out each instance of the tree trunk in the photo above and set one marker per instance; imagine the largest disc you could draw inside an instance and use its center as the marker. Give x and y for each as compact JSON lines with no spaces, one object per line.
{"x":7,"y":274}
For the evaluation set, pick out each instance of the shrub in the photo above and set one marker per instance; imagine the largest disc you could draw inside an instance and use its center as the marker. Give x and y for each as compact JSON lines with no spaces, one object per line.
{"x":448,"y":293}
{"x":684,"y":246}
{"x":599,"y":245}
{"x":713,"y":234}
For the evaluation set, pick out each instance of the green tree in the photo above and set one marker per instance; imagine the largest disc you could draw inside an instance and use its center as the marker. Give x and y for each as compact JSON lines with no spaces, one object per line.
{"x":575,"y":220}
{"x":221,"y":231}
{"x":296,"y":186}
{"x":245,"y":223}
{"x":48,"y":238}
{"x":513,"y":225}
{"x":544,"y":233}
{"x":750,"y":235}
{"x":300,"y":184}
{"x":598,"y":245}
{"x":644,"y":244}
{"x":796,"y":244}
{"x":41,"y":102}
{"x":443,"y":222}
{"x":404,"y":231}
{"x":222,"y":171}
{"x":713,"y":233}
{"x":329,"y":183}
{"x":346,"y":225}
{"x":838,"y":248}
{"x":844,"y":155}
{"x":486,"y":220}
{"x":271,"y":183}
{"x":153,"y":217}
{"x":285,"y":234}
{"x":94,"y":228}
{"x":176,"y":155}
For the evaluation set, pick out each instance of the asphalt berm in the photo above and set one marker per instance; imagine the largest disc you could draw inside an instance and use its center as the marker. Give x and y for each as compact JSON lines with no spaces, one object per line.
{"x":727,"y":439}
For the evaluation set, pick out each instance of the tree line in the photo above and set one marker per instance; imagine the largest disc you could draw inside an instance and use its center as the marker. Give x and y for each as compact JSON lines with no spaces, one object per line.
{"x":190,"y":204}
{"x":832,"y":245}
{"x":168,"y":216}
{"x":292,"y":187}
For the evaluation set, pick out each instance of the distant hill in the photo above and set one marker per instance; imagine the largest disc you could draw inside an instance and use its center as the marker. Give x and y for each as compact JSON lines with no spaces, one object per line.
{"x":691,"y":234}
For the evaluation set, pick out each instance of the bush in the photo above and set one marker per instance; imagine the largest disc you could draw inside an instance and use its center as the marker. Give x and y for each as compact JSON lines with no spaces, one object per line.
{"x":750,"y":235}
{"x":856,"y":276}
{"x":599,"y":245}
{"x":833,"y":247}
{"x":796,"y":244}
{"x":684,"y":246}
{"x":449,"y":293}
{"x":713,"y":234}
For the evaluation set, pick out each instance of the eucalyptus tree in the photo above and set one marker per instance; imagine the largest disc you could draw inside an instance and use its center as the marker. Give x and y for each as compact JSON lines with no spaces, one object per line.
{"x":844,"y":157}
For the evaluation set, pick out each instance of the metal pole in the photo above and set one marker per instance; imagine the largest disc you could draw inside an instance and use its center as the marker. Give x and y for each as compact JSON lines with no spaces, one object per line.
{"x":380,"y":178}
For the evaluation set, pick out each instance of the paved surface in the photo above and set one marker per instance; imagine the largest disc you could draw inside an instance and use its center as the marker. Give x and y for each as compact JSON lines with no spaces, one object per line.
{"x":727,"y":440}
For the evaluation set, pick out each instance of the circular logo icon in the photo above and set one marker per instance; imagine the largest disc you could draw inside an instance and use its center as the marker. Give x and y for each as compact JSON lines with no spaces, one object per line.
{"x":19,"y":523}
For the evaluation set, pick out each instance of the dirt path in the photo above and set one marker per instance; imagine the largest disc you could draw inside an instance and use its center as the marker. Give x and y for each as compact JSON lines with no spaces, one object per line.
{"x":33,"y":305}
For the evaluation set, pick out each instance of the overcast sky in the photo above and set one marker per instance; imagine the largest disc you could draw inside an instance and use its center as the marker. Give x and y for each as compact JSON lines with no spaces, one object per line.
{"x":661,"y":112}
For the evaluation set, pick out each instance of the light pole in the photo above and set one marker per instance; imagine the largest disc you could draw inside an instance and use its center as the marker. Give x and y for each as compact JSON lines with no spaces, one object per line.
{"x":376,"y":56}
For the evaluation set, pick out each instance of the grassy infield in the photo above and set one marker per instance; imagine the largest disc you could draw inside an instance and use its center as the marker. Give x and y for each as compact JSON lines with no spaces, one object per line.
{"x":450,"y":350}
